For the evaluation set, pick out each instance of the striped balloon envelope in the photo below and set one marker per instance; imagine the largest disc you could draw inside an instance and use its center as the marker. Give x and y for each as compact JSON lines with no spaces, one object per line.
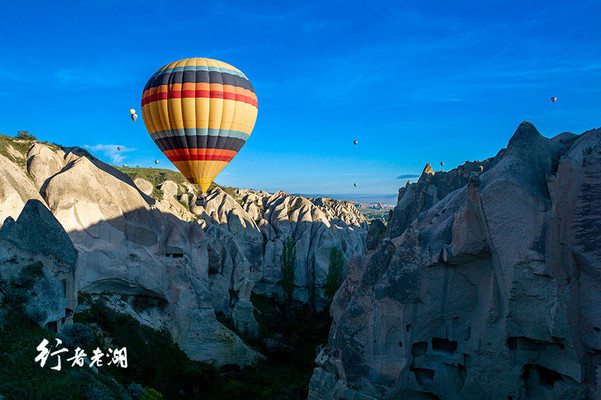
{"x":199,"y":112}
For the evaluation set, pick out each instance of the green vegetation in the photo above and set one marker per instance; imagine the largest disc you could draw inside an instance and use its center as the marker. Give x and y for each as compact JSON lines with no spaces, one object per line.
{"x":294,"y":332}
{"x":16,"y":148}
{"x":372,"y":214}
{"x":158,"y":176}
{"x":290,"y":336}
{"x":288,"y":260}
{"x":335,"y":273}
{"x":25,"y":135}
{"x":175,"y":376}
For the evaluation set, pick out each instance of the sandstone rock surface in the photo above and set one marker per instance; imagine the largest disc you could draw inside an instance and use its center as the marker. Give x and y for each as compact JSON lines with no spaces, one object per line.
{"x":486,"y":287}
{"x":200,"y":258}
{"x":36,"y":239}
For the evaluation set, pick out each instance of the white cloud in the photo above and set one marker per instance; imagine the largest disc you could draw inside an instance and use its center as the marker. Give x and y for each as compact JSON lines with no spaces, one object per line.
{"x":111,"y":151}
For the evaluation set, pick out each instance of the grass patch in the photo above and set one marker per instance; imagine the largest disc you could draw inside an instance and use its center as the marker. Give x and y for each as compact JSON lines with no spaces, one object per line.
{"x":372,"y":214}
{"x":156,"y":176}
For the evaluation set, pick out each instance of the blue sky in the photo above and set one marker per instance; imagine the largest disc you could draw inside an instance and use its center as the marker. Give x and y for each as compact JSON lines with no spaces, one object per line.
{"x":413,"y":81}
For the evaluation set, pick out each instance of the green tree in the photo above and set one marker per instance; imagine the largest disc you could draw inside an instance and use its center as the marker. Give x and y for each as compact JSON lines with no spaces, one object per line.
{"x":335,"y":273}
{"x":288,"y":260}
{"x":151,"y":394}
{"x":25,"y":135}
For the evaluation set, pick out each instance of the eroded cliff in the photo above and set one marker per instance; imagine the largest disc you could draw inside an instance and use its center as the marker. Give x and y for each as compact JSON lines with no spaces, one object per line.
{"x":194,"y":260}
{"x":485,"y":285}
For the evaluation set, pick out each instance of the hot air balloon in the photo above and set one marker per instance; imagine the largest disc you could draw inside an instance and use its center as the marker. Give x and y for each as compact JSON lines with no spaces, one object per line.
{"x":132,"y":111}
{"x":442,"y":163}
{"x":355,"y":185}
{"x":156,"y":162}
{"x":119,"y":148}
{"x":134,"y":117}
{"x":124,"y":165}
{"x":199,"y":112}
{"x":553,"y":99}
{"x":355,"y":142}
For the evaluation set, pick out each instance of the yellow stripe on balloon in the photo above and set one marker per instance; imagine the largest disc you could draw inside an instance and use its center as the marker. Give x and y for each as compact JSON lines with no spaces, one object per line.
{"x":202,"y":172}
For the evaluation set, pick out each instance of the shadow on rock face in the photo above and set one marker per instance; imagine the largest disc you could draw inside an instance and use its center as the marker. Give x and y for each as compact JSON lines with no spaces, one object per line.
{"x":487,"y":292}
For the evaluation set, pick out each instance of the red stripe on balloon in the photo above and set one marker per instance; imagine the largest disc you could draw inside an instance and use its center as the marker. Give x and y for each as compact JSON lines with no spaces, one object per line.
{"x":200,"y":157}
{"x":186,"y":94}
{"x":200,"y":154}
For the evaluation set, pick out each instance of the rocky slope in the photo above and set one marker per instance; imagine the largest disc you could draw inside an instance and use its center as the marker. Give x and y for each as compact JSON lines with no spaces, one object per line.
{"x":191,"y":260}
{"x":36,"y":239}
{"x":484,"y":285}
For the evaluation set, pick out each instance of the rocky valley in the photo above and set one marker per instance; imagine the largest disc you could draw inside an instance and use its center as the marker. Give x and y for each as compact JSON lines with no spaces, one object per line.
{"x":482,"y":282}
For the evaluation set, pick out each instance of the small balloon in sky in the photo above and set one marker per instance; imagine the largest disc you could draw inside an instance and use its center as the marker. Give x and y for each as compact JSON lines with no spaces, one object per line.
{"x":134,"y":117}
{"x":119,"y":148}
{"x":442,"y":163}
{"x":553,"y":99}
{"x":124,"y":165}
{"x":355,"y":142}
{"x":156,"y":161}
{"x":132,"y":111}
{"x":355,"y":185}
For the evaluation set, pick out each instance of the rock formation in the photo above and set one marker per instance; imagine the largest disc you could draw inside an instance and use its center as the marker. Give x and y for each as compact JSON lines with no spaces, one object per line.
{"x":486,"y":286}
{"x":194,"y":260}
{"x":260,"y":223}
{"x":37,"y":238}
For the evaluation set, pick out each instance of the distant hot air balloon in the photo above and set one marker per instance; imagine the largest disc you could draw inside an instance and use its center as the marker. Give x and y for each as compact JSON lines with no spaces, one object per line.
{"x":134,"y":117}
{"x":442,"y":163}
{"x":156,"y":162}
{"x":355,"y":142}
{"x":124,"y":165}
{"x":132,"y":111}
{"x":553,"y":99}
{"x":199,"y":112}
{"x":119,"y":148}
{"x":355,"y":185}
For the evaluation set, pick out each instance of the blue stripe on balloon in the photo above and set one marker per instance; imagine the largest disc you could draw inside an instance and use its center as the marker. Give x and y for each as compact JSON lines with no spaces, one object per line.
{"x":200,"y":132}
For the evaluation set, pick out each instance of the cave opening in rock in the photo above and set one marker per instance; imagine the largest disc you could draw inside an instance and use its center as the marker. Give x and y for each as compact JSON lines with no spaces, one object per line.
{"x":419,"y":348}
{"x":423,"y":374}
{"x":545,"y":376}
{"x":444,"y":345}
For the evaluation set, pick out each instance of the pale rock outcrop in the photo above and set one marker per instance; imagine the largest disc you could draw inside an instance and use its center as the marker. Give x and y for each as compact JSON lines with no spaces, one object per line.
{"x":170,"y":204}
{"x":144,"y":186}
{"x":42,"y":163}
{"x":129,"y":246}
{"x":15,"y":189}
{"x":490,"y":292}
{"x":339,"y":210}
{"x":258,"y":223}
{"x":169,"y":189}
{"x":37,"y":238}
